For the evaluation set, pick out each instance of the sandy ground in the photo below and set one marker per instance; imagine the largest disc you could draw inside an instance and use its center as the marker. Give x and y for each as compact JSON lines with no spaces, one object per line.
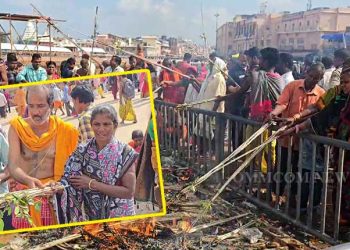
{"x":143,"y":110}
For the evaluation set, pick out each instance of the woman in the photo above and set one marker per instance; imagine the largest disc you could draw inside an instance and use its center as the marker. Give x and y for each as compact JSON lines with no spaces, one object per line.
{"x":100,"y":175}
{"x":127,"y":93}
{"x":51,"y":71}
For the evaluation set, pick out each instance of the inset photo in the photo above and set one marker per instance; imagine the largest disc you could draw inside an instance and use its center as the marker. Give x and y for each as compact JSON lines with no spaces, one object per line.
{"x":78,"y":150}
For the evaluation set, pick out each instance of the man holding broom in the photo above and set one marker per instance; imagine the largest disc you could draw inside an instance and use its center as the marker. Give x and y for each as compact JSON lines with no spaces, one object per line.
{"x":39,"y":147}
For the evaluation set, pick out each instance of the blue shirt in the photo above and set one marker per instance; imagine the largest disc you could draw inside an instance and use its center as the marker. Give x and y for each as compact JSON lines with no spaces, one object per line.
{"x":66,"y":97}
{"x":29,"y":74}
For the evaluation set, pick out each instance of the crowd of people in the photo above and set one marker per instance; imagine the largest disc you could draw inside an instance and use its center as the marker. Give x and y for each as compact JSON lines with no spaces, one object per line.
{"x":40,"y":149}
{"x":264,"y":85}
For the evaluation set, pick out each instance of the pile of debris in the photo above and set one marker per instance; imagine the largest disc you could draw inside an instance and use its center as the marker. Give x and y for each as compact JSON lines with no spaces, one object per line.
{"x":192,"y":222}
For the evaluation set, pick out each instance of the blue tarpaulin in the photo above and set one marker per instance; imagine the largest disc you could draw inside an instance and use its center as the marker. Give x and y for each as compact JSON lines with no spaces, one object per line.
{"x":336,"y":37}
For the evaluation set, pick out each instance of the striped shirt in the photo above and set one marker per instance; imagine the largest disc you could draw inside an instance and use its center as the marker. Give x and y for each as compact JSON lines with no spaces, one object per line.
{"x":84,"y":128}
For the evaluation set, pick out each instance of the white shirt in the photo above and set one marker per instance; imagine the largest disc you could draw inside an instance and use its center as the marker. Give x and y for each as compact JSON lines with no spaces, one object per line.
{"x":57,"y":96}
{"x":3,"y":101}
{"x":324,"y":83}
{"x":286,"y":78}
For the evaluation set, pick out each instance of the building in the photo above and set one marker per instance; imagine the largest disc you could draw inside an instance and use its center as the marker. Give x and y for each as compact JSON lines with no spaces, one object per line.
{"x":297,"y":33}
{"x":151,"y":46}
{"x":107,"y":42}
{"x":225,"y":39}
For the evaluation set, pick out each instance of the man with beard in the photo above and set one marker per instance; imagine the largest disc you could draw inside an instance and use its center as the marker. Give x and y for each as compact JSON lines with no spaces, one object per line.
{"x":32,"y":72}
{"x":39,"y":147}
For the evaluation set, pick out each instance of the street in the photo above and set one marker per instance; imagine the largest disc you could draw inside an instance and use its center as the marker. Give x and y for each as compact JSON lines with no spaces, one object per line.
{"x":141,"y":105}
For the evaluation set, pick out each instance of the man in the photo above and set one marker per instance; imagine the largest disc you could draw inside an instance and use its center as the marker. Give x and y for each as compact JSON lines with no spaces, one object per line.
{"x":91,"y":65}
{"x":114,"y":81}
{"x":265,"y":87}
{"x":3,"y":74}
{"x":340,"y":56}
{"x":68,"y":69}
{"x":328,"y":64}
{"x":32,"y":72}
{"x":39,"y":148}
{"x":19,"y":100}
{"x":82,"y":99}
{"x":253,"y":57}
{"x":213,"y":86}
{"x":284,"y":68}
{"x":3,"y":105}
{"x":67,"y":98}
{"x":237,"y":72}
{"x":295,"y":98}
{"x":185,"y":64}
{"x":132,"y":66}
{"x":11,"y":68}
{"x":57,"y":99}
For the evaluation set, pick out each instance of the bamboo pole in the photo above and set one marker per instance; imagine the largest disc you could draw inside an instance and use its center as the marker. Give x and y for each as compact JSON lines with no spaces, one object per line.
{"x":57,"y":242}
{"x":228,"y":159}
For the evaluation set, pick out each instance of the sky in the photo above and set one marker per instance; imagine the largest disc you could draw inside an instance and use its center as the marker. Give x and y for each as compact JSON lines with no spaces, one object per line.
{"x":132,"y":18}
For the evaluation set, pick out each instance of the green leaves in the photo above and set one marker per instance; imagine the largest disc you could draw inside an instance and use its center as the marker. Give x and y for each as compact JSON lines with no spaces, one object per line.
{"x":37,"y":206}
{"x":2,"y":224}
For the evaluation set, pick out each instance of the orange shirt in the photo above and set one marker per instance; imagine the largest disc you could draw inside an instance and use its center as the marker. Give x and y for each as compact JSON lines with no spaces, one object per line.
{"x":296,"y":99}
{"x":20,"y":97}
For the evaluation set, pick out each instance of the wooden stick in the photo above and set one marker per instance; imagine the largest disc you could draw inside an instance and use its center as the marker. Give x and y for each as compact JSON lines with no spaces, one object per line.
{"x":228,"y":159}
{"x":204,"y":226}
{"x":57,"y":242}
{"x":32,"y":193}
{"x":247,"y":161}
{"x":234,"y":232}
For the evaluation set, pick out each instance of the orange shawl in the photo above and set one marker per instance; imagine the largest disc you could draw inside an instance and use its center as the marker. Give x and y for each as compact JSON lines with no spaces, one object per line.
{"x":66,"y":140}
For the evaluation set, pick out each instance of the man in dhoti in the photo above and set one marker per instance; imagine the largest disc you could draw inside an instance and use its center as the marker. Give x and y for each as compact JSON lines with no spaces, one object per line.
{"x":213,"y":86}
{"x":38,"y":149}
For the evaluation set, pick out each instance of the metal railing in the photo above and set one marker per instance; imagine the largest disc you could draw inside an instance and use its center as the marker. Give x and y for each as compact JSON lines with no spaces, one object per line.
{"x":302,"y":184}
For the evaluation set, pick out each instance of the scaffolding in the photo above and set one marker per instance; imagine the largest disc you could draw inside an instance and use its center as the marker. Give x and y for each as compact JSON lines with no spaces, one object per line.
{"x":25,"y":18}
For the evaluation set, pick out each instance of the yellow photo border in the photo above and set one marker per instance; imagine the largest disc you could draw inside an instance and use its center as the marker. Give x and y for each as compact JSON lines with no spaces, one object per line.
{"x":160,"y":174}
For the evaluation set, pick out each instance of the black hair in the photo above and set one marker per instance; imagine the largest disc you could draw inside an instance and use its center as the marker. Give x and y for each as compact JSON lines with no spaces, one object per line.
{"x":11,"y":57}
{"x":46,"y":88}
{"x":342,"y":54}
{"x":83,"y":94}
{"x":36,"y":56}
{"x":117,"y":60}
{"x":85,"y":56}
{"x":271,"y":55}
{"x":136,"y":134}
{"x":187,"y":56}
{"x":151,"y":67}
{"x":212,"y":55}
{"x":50,"y":63}
{"x":327,"y":62}
{"x":71,"y":60}
{"x":105,"y":109}
{"x":131,"y":57}
{"x":317,"y":66}
{"x":287,"y":60}
{"x":253,"y":52}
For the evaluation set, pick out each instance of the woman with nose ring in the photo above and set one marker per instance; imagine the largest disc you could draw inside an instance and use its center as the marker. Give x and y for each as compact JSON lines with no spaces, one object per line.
{"x":100,"y":175}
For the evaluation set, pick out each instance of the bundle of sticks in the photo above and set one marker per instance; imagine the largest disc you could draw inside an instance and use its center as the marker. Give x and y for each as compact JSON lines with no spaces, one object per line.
{"x":29,"y":194}
{"x":236,"y":155}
